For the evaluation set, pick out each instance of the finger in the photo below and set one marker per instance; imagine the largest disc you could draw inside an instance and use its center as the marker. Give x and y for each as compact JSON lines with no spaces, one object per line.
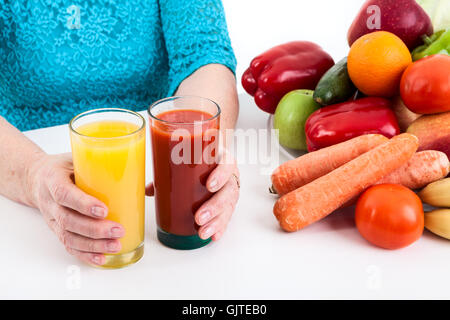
{"x":88,"y":257}
{"x":223,"y":201}
{"x":74,"y":222}
{"x":221,"y":174}
{"x":150,"y":190}
{"x":218,"y":235}
{"x":65,"y":193}
{"x":216,"y":225}
{"x":80,"y":243}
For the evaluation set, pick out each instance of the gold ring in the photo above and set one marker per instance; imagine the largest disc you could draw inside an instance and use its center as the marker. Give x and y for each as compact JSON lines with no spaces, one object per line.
{"x":238,"y":182}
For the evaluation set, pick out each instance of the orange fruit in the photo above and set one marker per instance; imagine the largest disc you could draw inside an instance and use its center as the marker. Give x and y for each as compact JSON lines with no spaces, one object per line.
{"x":376,"y":63}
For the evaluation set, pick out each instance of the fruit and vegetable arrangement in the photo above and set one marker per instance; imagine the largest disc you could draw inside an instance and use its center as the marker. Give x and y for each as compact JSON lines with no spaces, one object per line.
{"x":375,"y":126}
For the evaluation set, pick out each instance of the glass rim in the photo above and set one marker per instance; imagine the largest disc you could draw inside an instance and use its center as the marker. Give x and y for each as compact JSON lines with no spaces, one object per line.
{"x":154,"y":104}
{"x":100,"y":110}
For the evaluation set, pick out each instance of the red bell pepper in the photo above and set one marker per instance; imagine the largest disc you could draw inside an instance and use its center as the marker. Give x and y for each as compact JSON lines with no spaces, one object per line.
{"x":282,"y":69}
{"x":341,"y":122}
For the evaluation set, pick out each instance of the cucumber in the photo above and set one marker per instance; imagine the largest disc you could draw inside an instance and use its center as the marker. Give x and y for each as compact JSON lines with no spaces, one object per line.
{"x":335,"y":86}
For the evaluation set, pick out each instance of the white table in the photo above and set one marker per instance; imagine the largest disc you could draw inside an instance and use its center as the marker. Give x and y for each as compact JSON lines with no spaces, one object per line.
{"x":254,"y":259}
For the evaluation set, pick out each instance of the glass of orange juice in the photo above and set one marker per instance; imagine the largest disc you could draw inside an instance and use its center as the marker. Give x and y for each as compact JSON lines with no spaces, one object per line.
{"x":108,"y":150}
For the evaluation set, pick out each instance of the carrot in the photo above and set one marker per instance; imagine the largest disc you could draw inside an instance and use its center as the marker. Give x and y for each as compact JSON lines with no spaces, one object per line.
{"x":422,"y":169}
{"x":324,"y":195}
{"x":296,"y":173}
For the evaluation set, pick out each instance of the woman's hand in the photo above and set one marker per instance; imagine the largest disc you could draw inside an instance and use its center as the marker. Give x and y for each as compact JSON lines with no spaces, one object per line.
{"x":77,"y":218}
{"x":218,"y":83}
{"x":213,"y":216}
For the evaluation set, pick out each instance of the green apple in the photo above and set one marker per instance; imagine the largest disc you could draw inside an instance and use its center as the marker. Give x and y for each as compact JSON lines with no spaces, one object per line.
{"x":290,"y":118}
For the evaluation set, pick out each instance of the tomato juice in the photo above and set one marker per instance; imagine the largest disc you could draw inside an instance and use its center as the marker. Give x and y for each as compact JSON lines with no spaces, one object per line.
{"x":185,"y":152}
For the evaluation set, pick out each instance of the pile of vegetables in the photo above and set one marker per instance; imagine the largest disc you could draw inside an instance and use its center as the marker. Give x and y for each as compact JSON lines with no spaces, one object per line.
{"x":438,"y":194}
{"x":376,"y":124}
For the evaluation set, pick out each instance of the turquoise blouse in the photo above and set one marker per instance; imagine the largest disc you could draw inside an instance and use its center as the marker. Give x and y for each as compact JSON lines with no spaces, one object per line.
{"x":61,"y":57}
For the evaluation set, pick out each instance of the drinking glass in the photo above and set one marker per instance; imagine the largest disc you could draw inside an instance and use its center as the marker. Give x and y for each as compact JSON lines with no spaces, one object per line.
{"x":185,"y":136}
{"x":108,"y":150}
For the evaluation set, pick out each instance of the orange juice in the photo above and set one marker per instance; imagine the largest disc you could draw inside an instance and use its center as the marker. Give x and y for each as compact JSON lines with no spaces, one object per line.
{"x":109,"y":164}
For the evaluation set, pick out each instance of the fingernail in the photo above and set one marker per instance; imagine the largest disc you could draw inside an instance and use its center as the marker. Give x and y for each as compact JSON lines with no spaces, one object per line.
{"x":204,"y":217}
{"x":208,"y":233}
{"x":113,"y":246}
{"x":98,"y":212}
{"x":116,"y":232}
{"x":213,"y":184}
{"x":97,"y":259}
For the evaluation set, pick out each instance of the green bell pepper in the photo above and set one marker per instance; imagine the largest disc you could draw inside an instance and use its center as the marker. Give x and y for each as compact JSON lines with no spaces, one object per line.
{"x":438,"y":43}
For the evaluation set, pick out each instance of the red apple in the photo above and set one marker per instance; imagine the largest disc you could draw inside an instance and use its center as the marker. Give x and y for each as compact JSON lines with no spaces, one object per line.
{"x":404,"y":116}
{"x":404,"y":18}
{"x":433,"y":132}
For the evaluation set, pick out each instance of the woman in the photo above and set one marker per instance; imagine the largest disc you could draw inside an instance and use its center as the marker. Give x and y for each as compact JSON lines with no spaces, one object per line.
{"x":59,"y":59}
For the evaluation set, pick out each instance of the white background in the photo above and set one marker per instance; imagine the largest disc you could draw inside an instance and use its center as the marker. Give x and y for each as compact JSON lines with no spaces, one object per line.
{"x":255,"y":259}
{"x":257,"y":25}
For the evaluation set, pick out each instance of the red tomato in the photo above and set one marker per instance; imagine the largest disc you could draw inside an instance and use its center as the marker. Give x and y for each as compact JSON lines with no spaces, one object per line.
{"x":390,"y":216}
{"x":425,"y":85}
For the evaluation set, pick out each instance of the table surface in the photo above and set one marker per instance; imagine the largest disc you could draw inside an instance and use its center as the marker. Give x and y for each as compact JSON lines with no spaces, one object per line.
{"x":254,"y":259}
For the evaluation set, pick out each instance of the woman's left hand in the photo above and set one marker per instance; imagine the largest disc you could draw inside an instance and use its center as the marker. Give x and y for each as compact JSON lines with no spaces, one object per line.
{"x":213,"y":216}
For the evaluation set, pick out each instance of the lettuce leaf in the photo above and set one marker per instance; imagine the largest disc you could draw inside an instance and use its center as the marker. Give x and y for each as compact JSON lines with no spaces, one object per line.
{"x":439,"y":12}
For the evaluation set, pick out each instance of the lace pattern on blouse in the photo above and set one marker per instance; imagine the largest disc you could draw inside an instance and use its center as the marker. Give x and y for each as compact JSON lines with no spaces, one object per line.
{"x":59,"y":57}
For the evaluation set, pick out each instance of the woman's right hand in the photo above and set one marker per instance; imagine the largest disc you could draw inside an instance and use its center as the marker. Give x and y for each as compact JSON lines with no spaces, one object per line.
{"x":77,"y":218}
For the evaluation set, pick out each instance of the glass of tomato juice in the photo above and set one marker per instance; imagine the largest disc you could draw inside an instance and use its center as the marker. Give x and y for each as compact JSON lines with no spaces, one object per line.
{"x":108,"y":151}
{"x":185,"y":136}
